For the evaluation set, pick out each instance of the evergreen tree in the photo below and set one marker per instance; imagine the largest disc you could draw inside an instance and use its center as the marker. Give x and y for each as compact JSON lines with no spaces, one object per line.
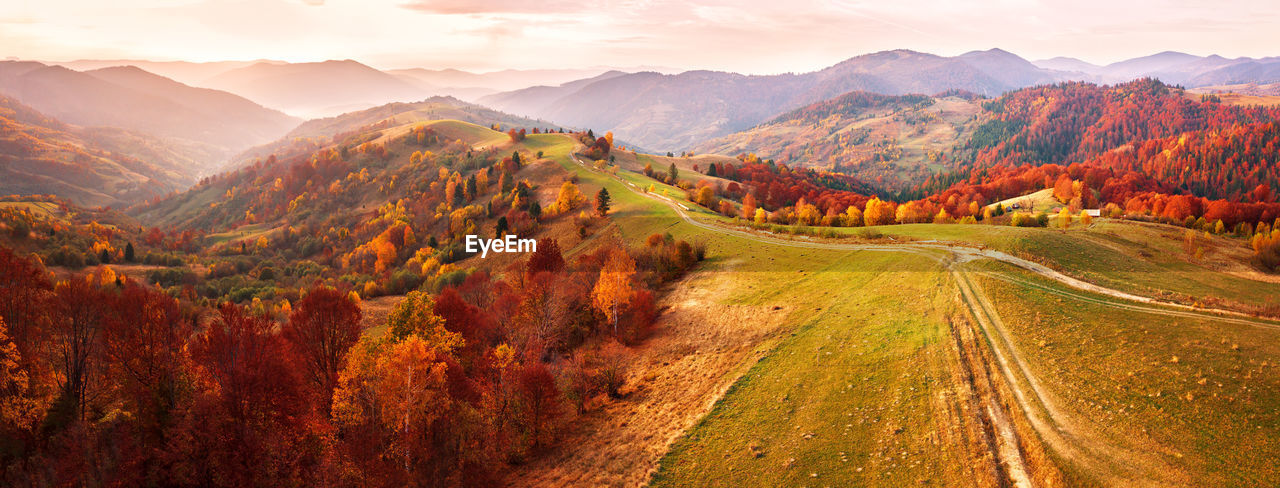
{"x":602,"y":202}
{"x":500,"y":228}
{"x":128,"y":252}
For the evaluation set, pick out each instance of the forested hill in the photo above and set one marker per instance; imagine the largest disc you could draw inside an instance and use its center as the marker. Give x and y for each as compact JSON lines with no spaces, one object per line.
{"x":1193,"y":143}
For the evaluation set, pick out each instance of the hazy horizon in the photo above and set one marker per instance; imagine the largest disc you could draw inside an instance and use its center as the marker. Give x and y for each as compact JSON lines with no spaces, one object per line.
{"x":754,"y":37}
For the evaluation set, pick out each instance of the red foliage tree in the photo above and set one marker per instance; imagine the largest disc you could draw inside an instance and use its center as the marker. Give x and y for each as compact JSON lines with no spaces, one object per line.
{"x":322,"y":327}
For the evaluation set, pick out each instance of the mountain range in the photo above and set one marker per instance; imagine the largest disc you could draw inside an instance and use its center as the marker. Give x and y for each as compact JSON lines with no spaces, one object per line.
{"x":675,"y":112}
{"x":332,"y":87}
{"x":202,"y":124}
{"x":90,"y":167}
{"x":1174,"y":68}
{"x":173,"y":122}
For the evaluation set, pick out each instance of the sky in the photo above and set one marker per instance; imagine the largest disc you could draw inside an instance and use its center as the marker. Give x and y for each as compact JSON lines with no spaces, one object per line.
{"x":749,"y":36}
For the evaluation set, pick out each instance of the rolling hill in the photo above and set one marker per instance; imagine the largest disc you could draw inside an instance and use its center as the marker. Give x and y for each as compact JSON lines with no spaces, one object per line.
{"x":185,"y":72}
{"x":40,"y":155}
{"x":319,"y":132}
{"x":216,"y":124}
{"x":1176,"y":68}
{"x":674,"y":112}
{"x":535,"y":99}
{"x":893,"y":141}
{"x":317,"y":89}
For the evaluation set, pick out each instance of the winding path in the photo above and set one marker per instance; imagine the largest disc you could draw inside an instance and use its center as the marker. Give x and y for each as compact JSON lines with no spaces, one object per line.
{"x":1054,"y":426}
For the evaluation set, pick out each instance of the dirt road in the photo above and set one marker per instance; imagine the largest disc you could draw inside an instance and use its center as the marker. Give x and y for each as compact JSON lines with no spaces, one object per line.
{"x":1055,"y":426}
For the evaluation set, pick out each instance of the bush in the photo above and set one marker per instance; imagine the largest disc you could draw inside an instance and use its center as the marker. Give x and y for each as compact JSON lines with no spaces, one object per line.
{"x":171,"y":277}
{"x":1022,"y":219}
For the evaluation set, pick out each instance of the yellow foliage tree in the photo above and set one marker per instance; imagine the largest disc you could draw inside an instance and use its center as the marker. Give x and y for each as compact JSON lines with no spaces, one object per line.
{"x":807,"y":214}
{"x":748,"y":206}
{"x":613,"y":290}
{"x":853,"y":216}
{"x":386,"y":252}
{"x":415,"y":315}
{"x":398,"y":386}
{"x":878,"y":212}
{"x":942,"y":217}
{"x":17,"y":408}
{"x":706,"y":196}
{"x":569,"y":197}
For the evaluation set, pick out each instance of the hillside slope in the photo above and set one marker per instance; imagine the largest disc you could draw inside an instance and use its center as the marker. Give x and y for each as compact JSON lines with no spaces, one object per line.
{"x":317,"y":133}
{"x":674,"y":112}
{"x":40,"y":155}
{"x":317,"y":89}
{"x":894,"y":141}
{"x":133,"y":99}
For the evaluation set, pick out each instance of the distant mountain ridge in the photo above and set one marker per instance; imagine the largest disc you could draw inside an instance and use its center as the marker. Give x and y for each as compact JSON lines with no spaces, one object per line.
{"x":674,"y":112}
{"x":317,"y":133}
{"x":1176,"y":68}
{"x":215,"y":124}
{"x":316,"y":89}
{"x":91,"y":167}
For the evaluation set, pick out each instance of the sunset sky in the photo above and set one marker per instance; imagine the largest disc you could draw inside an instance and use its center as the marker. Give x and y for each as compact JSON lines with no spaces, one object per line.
{"x":754,"y":36}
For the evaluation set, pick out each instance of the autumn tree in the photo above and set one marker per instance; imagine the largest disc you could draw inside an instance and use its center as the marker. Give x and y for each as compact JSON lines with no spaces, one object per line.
{"x":18,"y":410}
{"x":748,"y":206}
{"x":879,"y":212}
{"x":1064,"y":218}
{"x":322,"y":327}
{"x":24,"y":287}
{"x":248,"y":417}
{"x":410,"y":388}
{"x":727,"y":209}
{"x":415,"y":315}
{"x":546,"y":258}
{"x":613,"y":289}
{"x":541,"y":400}
{"x":391,"y":392}
{"x":614,"y":358}
{"x":146,"y":343}
{"x":578,"y":380}
{"x":706,"y":197}
{"x":569,"y":197}
{"x":77,"y":313}
{"x":853,"y":217}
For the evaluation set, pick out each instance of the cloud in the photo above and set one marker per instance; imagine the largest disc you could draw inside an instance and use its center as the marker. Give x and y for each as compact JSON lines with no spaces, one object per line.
{"x":462,"y":7}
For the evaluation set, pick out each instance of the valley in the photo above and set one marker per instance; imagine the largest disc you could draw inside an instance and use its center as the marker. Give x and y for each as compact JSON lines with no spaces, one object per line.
{"x":901,"y":268}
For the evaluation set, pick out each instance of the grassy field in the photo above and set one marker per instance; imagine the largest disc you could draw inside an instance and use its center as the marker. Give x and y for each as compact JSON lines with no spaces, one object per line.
{"x":849,"y":399}
{"x":863,"y":374}
{"x":857,"y":392}
{"x":1134,"y":257}
{"x":1041,"y":201}
{"x":1191,"y":400}
{"x":247,"y":233}
{"x":47,"y":210}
